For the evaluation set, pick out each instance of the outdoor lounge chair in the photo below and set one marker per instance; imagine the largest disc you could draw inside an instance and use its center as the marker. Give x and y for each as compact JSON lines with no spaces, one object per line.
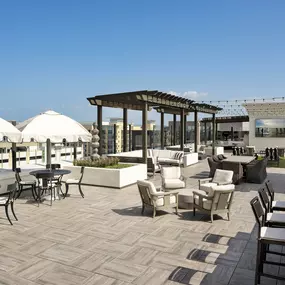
{"x":237,"y":169}
{"x":221,"y":178}
{"x":213,"y":166}
{"x":152,"y":163}
{"x":215,"y":202}
{"x":6,"y":201}
{"x":155,"y":199}
{"x":172,"y":178}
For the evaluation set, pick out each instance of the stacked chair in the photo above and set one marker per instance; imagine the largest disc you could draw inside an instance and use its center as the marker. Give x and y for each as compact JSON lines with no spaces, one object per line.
{"x":271,"y":230}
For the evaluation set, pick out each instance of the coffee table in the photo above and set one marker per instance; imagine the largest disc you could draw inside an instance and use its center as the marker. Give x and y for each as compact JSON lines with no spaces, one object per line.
{"x":185,"y":198}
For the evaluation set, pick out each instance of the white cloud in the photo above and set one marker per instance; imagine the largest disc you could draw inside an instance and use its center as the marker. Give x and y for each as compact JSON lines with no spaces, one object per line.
{"x":189,"y":94}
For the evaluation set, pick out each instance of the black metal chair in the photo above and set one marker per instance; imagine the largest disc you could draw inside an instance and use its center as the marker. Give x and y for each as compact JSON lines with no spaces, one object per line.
{"x":6,"y":201}
{"x":266,"y":237}
{"x":46,"y":183}
{"x":274,"y":205}
{"x":71,"y":181}
{"x":57,"y":178}
{"x":24,"y":184}
{"x":271,"y":219}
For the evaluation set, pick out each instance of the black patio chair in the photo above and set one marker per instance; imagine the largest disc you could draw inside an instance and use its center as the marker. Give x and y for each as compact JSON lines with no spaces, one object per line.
{"x":271,"y":219}
{"x":24,"y":184}
{"x":266,"y":237}
{"x":71,"y":181}
{"x":275,"y":205}
{"x":6,"y":201}
{"x":46,"y":183}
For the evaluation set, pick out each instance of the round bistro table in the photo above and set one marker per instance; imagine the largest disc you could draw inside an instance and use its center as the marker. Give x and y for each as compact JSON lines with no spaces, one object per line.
{"x":56,"y":173}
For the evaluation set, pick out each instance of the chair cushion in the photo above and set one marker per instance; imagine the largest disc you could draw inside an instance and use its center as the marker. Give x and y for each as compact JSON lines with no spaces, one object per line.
{"x":278,"y":204}
{"x":222,"y":177}
{"x":171,"y":172}
{"x":168,"y":160}
{"x":69,"y":181}
{"x":150,"y":185}
{"x":178,"y":155}
{"x":160,"y":200}
{"x":277,"y":234}
{"x":27,"y":182}
{"x":207,"y":204}
{"x":224,"y":187}
{"x":275,"y":217}
{"x":3,"y":201}
{"x":173,"y":183}
{"x":208,"y":187}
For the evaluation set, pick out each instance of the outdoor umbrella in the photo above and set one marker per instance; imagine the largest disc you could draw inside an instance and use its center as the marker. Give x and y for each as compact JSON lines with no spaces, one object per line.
{"x":9,"y":133}
{"x":52,"y":127}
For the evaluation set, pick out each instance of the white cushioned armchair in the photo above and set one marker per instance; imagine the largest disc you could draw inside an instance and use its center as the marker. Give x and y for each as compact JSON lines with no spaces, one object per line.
{"x":216,"y":202}
{"x":156,"y":199}
{"x":172,"y":178}
{"x":222,"y":180}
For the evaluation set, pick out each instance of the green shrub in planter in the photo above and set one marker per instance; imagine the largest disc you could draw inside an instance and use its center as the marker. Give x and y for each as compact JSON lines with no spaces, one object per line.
{"x":101,"y":162}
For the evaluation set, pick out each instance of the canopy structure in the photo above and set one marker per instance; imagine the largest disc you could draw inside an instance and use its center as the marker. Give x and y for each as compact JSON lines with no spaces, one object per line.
{"x":8,"y":132}
{"x":144,"y":101}
{"x":52,"y":127}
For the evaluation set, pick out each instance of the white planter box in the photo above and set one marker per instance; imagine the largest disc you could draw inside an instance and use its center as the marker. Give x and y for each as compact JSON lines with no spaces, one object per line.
{"x":115,"y":178}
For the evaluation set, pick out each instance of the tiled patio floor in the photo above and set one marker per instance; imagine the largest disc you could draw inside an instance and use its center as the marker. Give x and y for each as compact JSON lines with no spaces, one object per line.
{"x":103,"y":239}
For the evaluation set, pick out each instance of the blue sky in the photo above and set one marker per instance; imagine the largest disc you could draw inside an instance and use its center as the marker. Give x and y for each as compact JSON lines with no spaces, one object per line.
{"x":54,"y":54}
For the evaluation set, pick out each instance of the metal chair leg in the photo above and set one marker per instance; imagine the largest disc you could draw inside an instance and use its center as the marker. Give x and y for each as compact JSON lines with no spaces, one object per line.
{"x":12,"y":208}
{"x":7,"y":214}
{"x":66,"y":190}
{"x":81,"y":193}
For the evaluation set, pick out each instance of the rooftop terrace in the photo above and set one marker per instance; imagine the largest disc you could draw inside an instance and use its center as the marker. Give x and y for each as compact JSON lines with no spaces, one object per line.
{"x":103,"y":239}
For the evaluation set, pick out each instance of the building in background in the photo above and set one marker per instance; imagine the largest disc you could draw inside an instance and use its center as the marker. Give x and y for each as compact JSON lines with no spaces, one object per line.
{"x":112,"y":136}
{"x":266,"y":124}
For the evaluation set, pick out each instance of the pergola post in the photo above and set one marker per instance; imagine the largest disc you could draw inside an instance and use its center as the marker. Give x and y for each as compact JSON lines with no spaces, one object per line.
{"x":232,"y":133}
{"x":99,"y":123}
{"x":182,"y":129}
{"x":130,"y":137}
{"x":185,"y":128}
{"x":205,"y":132}
{"x":144,"y":132}
{"x":162,"y":130}
{"x":115,"y":138}
{"x":216,"y":129}
{"x":125,"y":129}
{"x":213,"y":133}
{"x":14,"y":156}
{"x":174,"y":129}
{"x":48,"y":149}
{"x":196,"y":130}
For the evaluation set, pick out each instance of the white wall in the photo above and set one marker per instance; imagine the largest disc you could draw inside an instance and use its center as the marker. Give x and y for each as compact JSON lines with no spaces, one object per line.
{"x":262,"y":143}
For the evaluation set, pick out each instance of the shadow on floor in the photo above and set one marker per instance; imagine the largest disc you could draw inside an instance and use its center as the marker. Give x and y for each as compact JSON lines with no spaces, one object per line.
{"x":227,"y":260}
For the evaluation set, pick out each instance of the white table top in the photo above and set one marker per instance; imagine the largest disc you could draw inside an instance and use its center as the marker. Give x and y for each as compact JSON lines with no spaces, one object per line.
{"x":241,"y":159}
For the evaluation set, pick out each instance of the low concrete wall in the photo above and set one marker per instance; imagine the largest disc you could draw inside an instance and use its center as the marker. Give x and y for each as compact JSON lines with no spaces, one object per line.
{"x":8,"y":177}
{"x":115,"y":178}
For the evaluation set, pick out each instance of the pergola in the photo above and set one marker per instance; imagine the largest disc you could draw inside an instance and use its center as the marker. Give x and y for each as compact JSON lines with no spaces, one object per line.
{"x":144,"y":101}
